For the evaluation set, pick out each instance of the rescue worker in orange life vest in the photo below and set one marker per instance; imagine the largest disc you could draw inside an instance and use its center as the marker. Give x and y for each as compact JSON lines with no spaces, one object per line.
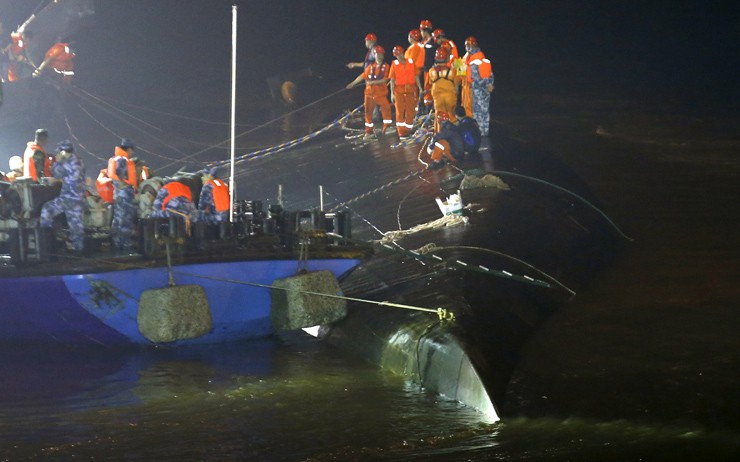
{"x":441,"y":40}
{"x":60,"y":58}
{"x":404,"y":84}
{"x":477,"y":84}
{"x":415,"y":52}
{"x":122,"y":170}
{"x":370,"y":41}
{"x":376,"y":92}
{"x":174,"y":198}
{"x":214,"y":201}
{"x":36,"y":162}
{"x":442,"y":83}
{"x":19,"y":65}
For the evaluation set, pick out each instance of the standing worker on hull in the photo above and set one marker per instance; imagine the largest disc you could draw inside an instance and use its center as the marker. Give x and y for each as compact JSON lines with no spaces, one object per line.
{"x":477,"y":84}
{"x":376,"y":92}
{"x":122,"y":172}
{"x":404,"y":83}
{"x":71,"y":171}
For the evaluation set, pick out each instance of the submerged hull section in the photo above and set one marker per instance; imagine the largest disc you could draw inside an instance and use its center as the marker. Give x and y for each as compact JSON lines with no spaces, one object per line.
{"x":102,"y":307}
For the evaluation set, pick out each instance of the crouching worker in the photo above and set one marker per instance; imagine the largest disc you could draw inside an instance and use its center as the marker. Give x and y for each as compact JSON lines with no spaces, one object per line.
{"x":71,"y":171}
{"x":174,"y":199}
{"x":447,"y":145}
{"x":469,"y":130}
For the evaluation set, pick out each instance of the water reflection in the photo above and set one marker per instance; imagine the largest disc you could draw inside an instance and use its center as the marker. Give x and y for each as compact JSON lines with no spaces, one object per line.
{"x":290,"y":398}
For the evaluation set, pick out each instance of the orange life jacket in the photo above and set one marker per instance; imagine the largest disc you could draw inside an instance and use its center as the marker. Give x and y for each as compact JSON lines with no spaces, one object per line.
{"x":130,"y":168}
{"x":176,"y":189}
{"x":415,"y":52}
{"x":17,"y":52}
{"x":61,"y":57}
{"x":403,"y":73}
{"x":29,"y":166}
{"x":479,"y":59}
{"x":220,"y":195}
{"x":104,"y":186}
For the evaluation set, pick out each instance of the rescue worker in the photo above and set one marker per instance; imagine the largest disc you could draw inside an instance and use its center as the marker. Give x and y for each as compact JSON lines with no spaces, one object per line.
{"x":415,"y":53}
{"x":104,"y":186}
{"x":469,"y":130}
{"x":370,"y":41}
{"x":71,"y":171}
{"x":477,"y":84}
{"x":15,"y":163}
{"x":174,"y":198}
{"x":427,"y":42}
{"x":214,"y":201}
{"x":122,"y":172}
{"x":442,"y":83}
{"x":447,"y":144}
{"x":376,"y":92}
{"x":404,"y":85}
{"x":60,"y":58}
{"x":36,"y":162}
{"x":19,"y":65}
{"x":441,"y":40}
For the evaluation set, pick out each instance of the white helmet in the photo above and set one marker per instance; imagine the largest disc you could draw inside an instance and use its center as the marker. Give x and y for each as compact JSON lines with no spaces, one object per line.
{"x":15,"y":163}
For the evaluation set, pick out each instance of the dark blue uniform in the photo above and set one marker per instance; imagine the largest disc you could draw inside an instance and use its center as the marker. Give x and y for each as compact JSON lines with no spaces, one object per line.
{"x":70,"y":202}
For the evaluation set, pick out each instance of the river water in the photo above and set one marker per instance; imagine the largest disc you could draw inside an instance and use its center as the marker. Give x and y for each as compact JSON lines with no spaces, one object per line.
{"x":641,"y":365}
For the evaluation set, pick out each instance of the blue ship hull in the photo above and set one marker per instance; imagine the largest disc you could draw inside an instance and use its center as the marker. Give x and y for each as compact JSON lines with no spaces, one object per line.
{"x":102,"y":307}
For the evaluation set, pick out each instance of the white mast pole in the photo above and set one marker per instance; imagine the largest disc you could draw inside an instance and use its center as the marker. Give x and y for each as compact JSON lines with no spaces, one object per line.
{"x":232,"y":185}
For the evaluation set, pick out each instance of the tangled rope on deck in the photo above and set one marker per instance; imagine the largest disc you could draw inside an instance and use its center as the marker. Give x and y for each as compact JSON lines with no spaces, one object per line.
{"x":445,"y":221}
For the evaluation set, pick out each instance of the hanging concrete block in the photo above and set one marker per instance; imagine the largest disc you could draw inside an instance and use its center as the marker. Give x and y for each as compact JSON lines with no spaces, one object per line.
{"x":292,"y":308}
{"x":174,"y":313}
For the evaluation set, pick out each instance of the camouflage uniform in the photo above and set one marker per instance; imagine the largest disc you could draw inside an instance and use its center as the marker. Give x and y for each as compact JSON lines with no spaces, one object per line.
{"x":207,"y":207}
{"x":124,"y":208}
{"x":70,"y":202}
{"x":481,"y":99}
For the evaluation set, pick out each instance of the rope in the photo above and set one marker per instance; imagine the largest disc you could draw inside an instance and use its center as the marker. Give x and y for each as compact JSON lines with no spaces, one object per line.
{"x":269,"y":122}
{"x":373,"y":191}
{"x":441,"y":312}
{"x":284,"y":146}
{"x":431,"y":247}
{"x":560,"y":188}
{"x":445,"y":221}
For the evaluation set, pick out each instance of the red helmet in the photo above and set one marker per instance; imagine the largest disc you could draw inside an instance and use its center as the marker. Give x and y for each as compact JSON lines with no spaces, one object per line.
{"x":442,"y":54}
{"x":472,"y":41}
{"x":425,"y":24}
{"x":415,"y":34}
{"x":442,"y":116}
{"x":377,"y":49}
{"x":371,"y":37}
{"x":398,"y":50}
{"x":437,"y":34}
